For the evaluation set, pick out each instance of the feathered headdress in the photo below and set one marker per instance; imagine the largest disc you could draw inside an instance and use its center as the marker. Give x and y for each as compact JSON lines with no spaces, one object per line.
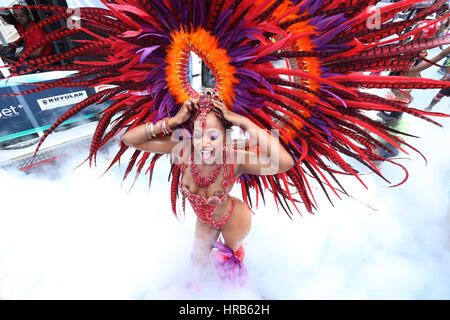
{"x":143,"y":47}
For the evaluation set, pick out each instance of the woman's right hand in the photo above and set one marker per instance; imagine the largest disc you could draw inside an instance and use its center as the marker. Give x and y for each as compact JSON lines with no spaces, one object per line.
{"x":186,"y":110}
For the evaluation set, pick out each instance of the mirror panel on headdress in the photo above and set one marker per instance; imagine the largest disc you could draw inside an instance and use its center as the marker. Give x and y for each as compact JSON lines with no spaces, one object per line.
{"x":200,"y":77}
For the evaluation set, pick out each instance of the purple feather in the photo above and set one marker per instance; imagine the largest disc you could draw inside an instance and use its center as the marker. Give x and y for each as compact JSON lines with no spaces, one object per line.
{"x":255,"y":76}
{"x":177,"y":7}
{"x":184,"y":15}
{"x":241,"y":51}
{"x":316,"y":4}
{"x":311,"y":6}
{"x":244,"y":177}
{"x":326,"y":23}
{"x":242,"y":59}
{"x":165,"y":106}
{"x":230,"y":37}
{"x":163,"y":12}
{"x":327,"y":37}
{"x":322,"y":126}
{"x":201,"y":10}
{"x":146,"y":52}
{"x":157,"y":87}
{"x":337,"y":97}
{"x":266,"y":59}
{"x":239,"y":108}
{"x":298,"y":146}
{"x":222,"y":23}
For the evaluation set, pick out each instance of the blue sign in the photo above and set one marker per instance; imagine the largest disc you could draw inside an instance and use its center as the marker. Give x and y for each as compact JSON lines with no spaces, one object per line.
{"x":22,"y":115}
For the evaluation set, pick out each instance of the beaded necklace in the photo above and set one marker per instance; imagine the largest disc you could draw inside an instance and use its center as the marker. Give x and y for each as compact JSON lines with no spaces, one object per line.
{"x":204,"y":181}
{"x":203,"y":207}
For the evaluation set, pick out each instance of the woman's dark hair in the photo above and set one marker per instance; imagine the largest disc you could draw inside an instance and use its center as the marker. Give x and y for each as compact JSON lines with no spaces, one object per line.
{"x":9,"y":18}
{"x":32,"y":13}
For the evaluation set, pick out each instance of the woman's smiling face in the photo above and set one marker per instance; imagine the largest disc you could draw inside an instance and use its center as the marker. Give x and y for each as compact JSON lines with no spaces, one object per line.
{"x":22,"y":16}
{"x":210,"y":140}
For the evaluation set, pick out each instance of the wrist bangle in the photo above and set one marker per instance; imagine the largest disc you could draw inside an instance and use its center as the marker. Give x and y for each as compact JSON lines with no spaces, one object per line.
{"x":146,"y":131}
{"x":165,"y":126}
{"x":152,"y":130}
{"x":150,"y":134}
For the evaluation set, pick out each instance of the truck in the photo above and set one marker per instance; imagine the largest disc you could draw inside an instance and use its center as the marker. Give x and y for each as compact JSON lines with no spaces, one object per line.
{"x":24,"y":119}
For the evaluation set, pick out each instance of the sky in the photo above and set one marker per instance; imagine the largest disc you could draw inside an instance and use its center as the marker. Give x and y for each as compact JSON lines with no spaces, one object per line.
{"x":70,"y":233}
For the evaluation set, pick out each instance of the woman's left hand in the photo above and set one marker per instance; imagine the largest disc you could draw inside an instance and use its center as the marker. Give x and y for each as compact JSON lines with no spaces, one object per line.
{"x":229,"y":115}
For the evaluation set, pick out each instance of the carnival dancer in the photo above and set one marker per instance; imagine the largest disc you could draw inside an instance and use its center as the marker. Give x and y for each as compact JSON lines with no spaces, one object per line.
{"x":207,"y":182}
{"x":141,"y":49}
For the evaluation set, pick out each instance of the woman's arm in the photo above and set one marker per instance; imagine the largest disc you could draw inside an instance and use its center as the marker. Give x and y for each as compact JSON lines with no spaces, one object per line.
{"x":414,"y":71}
{"x":272,"y":159}
{"x":141,"y":136}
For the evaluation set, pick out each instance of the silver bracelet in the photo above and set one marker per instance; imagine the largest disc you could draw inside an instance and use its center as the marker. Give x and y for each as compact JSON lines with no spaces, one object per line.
{"x":163,"y":127}
{"x":146,"y":131}
{"x":152,"y":130}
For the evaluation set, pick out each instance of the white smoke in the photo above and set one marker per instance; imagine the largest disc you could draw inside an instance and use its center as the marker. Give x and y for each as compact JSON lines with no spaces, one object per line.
{"x":67,"y":234}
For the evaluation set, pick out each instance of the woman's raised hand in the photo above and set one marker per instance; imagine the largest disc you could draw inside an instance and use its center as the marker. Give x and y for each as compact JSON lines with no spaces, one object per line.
{"x":229,"y":115}
{"x":186,"y":110}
